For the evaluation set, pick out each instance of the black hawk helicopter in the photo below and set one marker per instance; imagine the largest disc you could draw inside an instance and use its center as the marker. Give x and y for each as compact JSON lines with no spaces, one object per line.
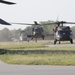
{"x":62,"y":33}
{"x":6,"y":2}
{"x":37,"y":30}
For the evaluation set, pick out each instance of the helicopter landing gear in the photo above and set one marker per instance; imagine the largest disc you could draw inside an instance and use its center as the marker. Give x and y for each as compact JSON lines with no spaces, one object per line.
{"x":59,"y":42}
{"x":43,"y":37}
{"x":55,"y":41}
{"x":71,"y":41}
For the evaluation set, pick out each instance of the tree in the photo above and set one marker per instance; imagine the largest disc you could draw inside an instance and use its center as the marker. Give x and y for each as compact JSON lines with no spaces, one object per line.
{"x":16,"y":33}
{"x":73,"y":30}
{"x":5,"y":35}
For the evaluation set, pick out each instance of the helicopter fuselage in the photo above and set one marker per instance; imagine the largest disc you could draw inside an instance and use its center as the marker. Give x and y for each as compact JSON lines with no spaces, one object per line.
{"x":37,"y":32}
{"x":63,"y":34}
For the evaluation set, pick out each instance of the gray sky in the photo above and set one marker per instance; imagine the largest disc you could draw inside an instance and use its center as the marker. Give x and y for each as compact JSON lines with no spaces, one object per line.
{"x":37,"y":10}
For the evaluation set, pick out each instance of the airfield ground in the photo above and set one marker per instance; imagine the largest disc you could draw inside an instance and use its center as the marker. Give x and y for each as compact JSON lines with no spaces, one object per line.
{"x":37,"y":53}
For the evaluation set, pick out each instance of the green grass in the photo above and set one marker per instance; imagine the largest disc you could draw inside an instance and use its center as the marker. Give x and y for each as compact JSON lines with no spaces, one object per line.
{"x":33,"y":53}
{"x":22,"y":45}
{"x":40,"y":59}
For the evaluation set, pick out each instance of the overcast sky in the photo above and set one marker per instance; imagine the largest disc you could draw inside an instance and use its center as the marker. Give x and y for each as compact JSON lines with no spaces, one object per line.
{"x":37,"y":10}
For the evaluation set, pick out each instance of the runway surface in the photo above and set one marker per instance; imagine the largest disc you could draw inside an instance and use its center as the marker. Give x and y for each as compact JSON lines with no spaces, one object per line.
{"x":6,"y":69}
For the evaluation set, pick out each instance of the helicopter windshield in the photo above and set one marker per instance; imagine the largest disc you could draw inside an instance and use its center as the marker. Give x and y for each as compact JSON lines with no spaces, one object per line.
{"x":66,"y":32}
{"x":38,"y":30}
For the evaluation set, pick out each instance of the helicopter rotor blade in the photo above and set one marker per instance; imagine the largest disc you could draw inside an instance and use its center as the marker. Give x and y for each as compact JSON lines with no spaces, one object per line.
{"x":62,"y":22}
{"x":4,"y":22}
{"x":35,"y":23}
{"x":70,"y":22}
{"x":53,"y":23}
{"x":22,"y":23}
{"x":6,"y":2}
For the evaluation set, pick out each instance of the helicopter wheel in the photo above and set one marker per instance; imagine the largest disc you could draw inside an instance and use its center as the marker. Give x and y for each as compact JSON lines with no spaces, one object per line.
{"x":59,"y":42}
{"x":43,"y":37}
{"x":71,"y":41}
{"x":55,"y":41}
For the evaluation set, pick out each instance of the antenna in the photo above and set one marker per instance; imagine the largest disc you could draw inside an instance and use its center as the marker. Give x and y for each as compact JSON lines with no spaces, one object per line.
{"x":57,"y":18}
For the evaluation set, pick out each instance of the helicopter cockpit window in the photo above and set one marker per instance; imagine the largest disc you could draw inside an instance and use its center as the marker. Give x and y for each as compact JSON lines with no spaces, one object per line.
{"x":61,"y":32}
{"x":38,"y":29}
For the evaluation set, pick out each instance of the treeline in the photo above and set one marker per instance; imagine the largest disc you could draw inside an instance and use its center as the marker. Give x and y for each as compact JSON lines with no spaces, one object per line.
{"x":73,"y":30}
{"x":10,"y":35}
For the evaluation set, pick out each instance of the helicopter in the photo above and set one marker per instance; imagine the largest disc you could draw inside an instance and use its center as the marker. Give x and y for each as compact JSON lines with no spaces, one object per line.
{"x":37,"y":31}
{"x":6,"y":2}
{"x":62,"y":33}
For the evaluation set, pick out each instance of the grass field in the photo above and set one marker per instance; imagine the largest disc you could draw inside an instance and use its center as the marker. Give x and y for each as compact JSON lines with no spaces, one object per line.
{"x":33,"y":53}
